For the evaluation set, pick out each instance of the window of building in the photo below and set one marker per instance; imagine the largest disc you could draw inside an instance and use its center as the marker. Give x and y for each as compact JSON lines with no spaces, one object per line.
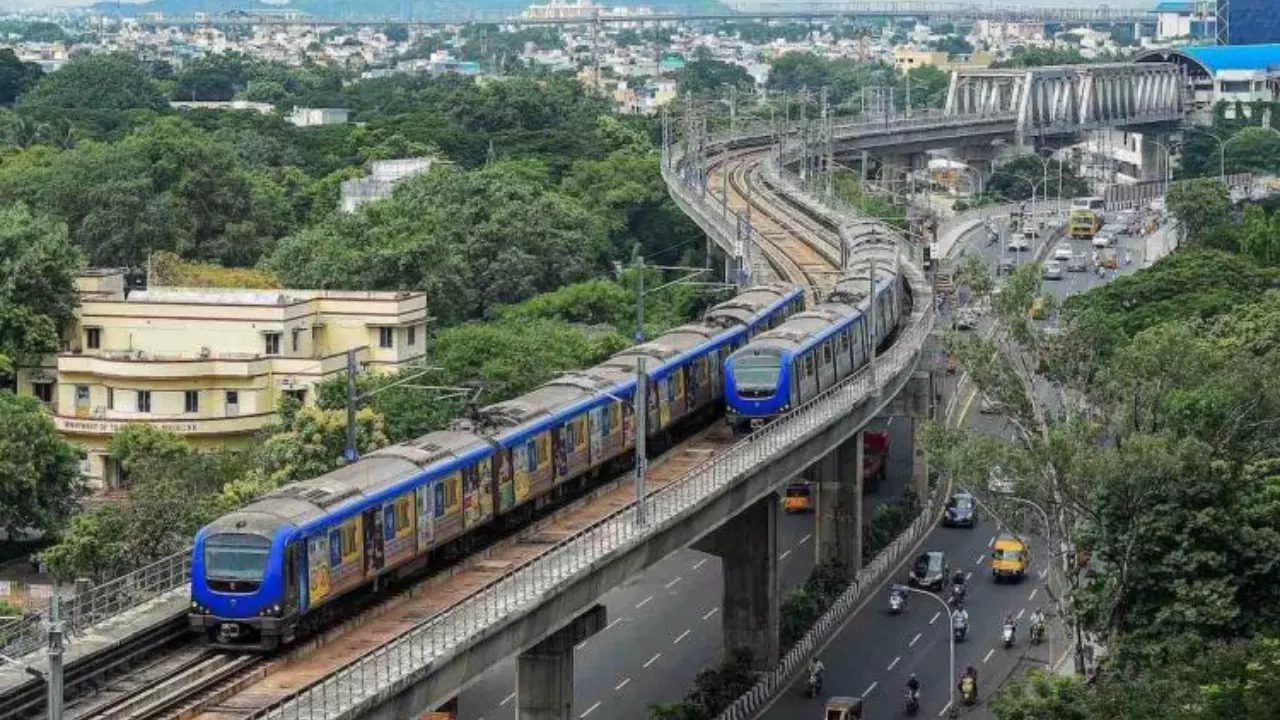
{"x":386,"y":337}
{"x":191,"y":401}
{"x":111,"y":398}
{"x":299,"y":395}
{"x":272,"y":343}
{"x":43,"y":391}
{"x":294,"y":337}
{"x":82,"y":396}
{"x":411,"y":336}
{"x":93,"y":338}
{"x":144,"y":401}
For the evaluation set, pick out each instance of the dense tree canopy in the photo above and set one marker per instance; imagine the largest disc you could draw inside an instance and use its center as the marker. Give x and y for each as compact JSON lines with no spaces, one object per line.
{"x":38,"y":266}
{"x":1016,"y":178}
{"x":39,"y":471}
{"x":96,"y":92}
{"x":16,"y":77}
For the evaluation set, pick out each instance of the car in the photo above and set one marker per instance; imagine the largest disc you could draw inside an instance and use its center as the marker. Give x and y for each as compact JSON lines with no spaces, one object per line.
{"x":930,"y":571}
{"x":1078,"y":263}
{"x":966,"y":319}
{"x":999,"y":482}
{"x":1062,"y":252}
{"x":1103,"y":239}
{"x":1005,"y":266}
{"x":961,"y":511}
{"x":1053,"y":271}
{"x":1018,"y":243}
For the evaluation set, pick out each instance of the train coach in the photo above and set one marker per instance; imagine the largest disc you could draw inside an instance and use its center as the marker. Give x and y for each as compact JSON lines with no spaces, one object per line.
{"x":812,"y":351}
{"x":287,"y":562}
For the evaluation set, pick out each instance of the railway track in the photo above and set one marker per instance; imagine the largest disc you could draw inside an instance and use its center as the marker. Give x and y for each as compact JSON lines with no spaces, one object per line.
{"x":180,"y":687}
{"x":799,"y":247}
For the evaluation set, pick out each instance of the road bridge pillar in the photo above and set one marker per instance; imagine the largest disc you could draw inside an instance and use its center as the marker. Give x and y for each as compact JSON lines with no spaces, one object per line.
{"x":838,"y":520}
{"x":748,"y":548}
{"x":544,"y":673}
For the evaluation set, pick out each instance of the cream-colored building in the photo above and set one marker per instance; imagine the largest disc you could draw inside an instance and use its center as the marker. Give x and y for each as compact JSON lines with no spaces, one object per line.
{"x":908,"y":58}
{"x":211,"y":364}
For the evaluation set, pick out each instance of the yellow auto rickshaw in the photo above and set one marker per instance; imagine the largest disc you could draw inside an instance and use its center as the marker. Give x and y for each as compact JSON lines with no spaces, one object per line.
{"x":843,"y":708}
{"x":1109,"y":262}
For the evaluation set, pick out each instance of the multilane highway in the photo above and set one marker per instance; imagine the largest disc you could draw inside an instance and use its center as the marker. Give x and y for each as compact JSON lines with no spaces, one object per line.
{"x":874,"y":654}
{"x":664,"y":626}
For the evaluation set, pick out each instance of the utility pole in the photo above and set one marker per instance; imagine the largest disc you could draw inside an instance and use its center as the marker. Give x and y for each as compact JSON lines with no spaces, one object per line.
{"x":55,"y":657}
{"x":871,"y":363}
{"x":351,"y":453}
{"x":641,"y":407}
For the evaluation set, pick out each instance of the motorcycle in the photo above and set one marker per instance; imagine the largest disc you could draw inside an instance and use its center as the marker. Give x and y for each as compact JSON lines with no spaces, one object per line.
{"x":895,"y":603}
{"x":957,"y":594}
{"x":912,"y":702}
{"x":815,"y":685}
{"x":1037,"y":633}
{"x":968,"y":690}
{"x":961,"y":630}
{"x":1006,"y":635}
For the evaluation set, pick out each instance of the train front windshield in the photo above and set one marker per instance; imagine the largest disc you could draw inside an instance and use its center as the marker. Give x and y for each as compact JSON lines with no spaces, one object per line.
{"x":757,"y":375}
{"x":236,"y":556}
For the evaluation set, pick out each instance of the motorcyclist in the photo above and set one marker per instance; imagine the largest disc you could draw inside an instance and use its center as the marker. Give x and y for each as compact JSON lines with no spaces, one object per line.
{"x":971,"y":675}
{"x":815,"y":670}
{"x":1010,"y":622}
{"x":913,"y":686}
{"x":1037,"y":621}
{"x":960,"y":618}
{"x":898,"y":592}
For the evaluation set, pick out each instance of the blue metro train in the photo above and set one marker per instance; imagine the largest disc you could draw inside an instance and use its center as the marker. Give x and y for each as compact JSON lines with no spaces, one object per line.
{"x":264,"y":573}
{"x":791,"y":364}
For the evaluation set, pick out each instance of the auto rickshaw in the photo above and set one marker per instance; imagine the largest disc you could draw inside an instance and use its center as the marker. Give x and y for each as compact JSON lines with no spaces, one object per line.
{"x":1109,"y":262}
{"x":843,"y":708}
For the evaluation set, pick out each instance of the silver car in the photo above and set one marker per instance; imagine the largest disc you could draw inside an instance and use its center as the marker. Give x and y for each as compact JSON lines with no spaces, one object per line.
{"x":1052,"y":271}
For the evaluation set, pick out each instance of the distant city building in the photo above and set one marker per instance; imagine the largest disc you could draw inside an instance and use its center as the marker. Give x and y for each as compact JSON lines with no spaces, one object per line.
{"x":906,"y":58}
{"x":580,"y":10}
{"x":313,"y":117}
{"x":211,"y":364}
{"x":259,"y":107}
{"x":1194,"y":19}
{"x":382,"y":178}
{"x":1252,"y":22}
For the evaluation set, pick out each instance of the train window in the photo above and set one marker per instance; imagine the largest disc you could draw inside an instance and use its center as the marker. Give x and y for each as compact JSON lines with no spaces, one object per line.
{"x":349,"y":547}
{"x":439,"y":491}
{"x":452,"y":491}
{"x":404,"y":513}
{"x":808,"y":365}
{"x":335,"y":547}
{"x":615,"y":416}
{"x":580,"y":432}
{"x":826,"y":353}
{"x":236,"y":556}
{"x":544,"y":454}
{"x":388,"y":522}
{"x":531,"y":452}
{"x":844,"y":341}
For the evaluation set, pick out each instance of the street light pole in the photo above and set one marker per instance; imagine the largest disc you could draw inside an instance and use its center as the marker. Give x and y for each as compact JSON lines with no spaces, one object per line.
{"x":951,"y":642}
{"x":55,"y":657}
{"x":641,"y":406}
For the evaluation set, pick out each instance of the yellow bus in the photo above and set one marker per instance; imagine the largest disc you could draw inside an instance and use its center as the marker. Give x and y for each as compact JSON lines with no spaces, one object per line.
{"x":1084,"y":223}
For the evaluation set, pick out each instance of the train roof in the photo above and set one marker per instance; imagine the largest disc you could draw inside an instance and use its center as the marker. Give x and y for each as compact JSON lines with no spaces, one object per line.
{"x":802,"y":326}
{"x":746,"y":306}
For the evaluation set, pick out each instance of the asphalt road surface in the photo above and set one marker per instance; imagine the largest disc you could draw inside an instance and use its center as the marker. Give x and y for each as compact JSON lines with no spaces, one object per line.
{"x":664,"y":624}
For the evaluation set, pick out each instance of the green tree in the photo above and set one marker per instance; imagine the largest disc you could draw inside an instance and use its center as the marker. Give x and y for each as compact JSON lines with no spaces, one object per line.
{"x":40,"y":481}
{"x":1016,"y":178}
{"x":37,"y":284}
{"x":314,"y":442}
{"x":95,"y":92}
{"x":708,"y":77}
{"x":137,"y":445}
{"x":1202,"y":208}
{"x":16,"y":77}
{"x":1253,"y":149}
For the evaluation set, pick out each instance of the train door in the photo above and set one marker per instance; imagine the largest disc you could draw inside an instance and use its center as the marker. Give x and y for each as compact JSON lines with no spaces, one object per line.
{"x":292,"y":578}
{"x":827,"y":368}
{"x":372,"y":541}
{"x":561,"y":437}
{"x":692,"y":380}
{"x":426,"y":516}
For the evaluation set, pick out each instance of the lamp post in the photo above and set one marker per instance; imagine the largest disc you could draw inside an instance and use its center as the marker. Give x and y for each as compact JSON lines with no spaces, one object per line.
{"x":951,"y":642}
{"x":1222,"y":149}
{"x":53,"y":676}
{"x":1168,"y":163}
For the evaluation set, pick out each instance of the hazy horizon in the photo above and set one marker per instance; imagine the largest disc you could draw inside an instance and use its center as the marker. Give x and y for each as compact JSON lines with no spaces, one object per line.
{"x":11,"y":5}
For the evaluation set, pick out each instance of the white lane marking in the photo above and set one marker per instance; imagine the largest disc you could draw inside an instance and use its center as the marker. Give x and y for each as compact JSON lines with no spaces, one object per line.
{"x":992,"y":541}
{"x":914,"y":640}
{"x":784,"y":555}
{"x":889,"y":422}
{"x":682,"y":636}
{"x":806,"y":539}
{"x":1021,"y":612}
{"x":1033,"y":595}
{"x":981,"y":557}
{"x":588,"y":710}
{"x":987,"y":657}
{"x":1043,"y":573}
{"x":711,"y":612}
{"x":653,"y":659}
{"x":615,"y":622}
{"x":643,"y":602}
{"x":869,"y":689}
{"x":699,"y":564}
{"x":580,"y":645}
{"x":944,"y":709}
{"x":508,"y":699}
{"x":622,"y":684}
{"x":967,"y":576}
{"x":673,"y":582}
{"x":895,"y":662}
{"x":934,"y":619}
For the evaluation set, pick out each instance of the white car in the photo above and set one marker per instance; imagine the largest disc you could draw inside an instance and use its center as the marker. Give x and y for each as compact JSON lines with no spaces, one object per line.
{"x":1017,"y":243}
{"x":989,"y":406}
{"x":1052,"y":271}
{"x":1103,"y":240}
{"x":1062,"y":252}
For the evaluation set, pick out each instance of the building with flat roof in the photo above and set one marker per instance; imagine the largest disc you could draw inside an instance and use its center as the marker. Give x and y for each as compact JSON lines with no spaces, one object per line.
{"x":211,"y":364}
{"x":1186,"y":19}
{"x":1251,"y":22}
{"x":1225,"y":73}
